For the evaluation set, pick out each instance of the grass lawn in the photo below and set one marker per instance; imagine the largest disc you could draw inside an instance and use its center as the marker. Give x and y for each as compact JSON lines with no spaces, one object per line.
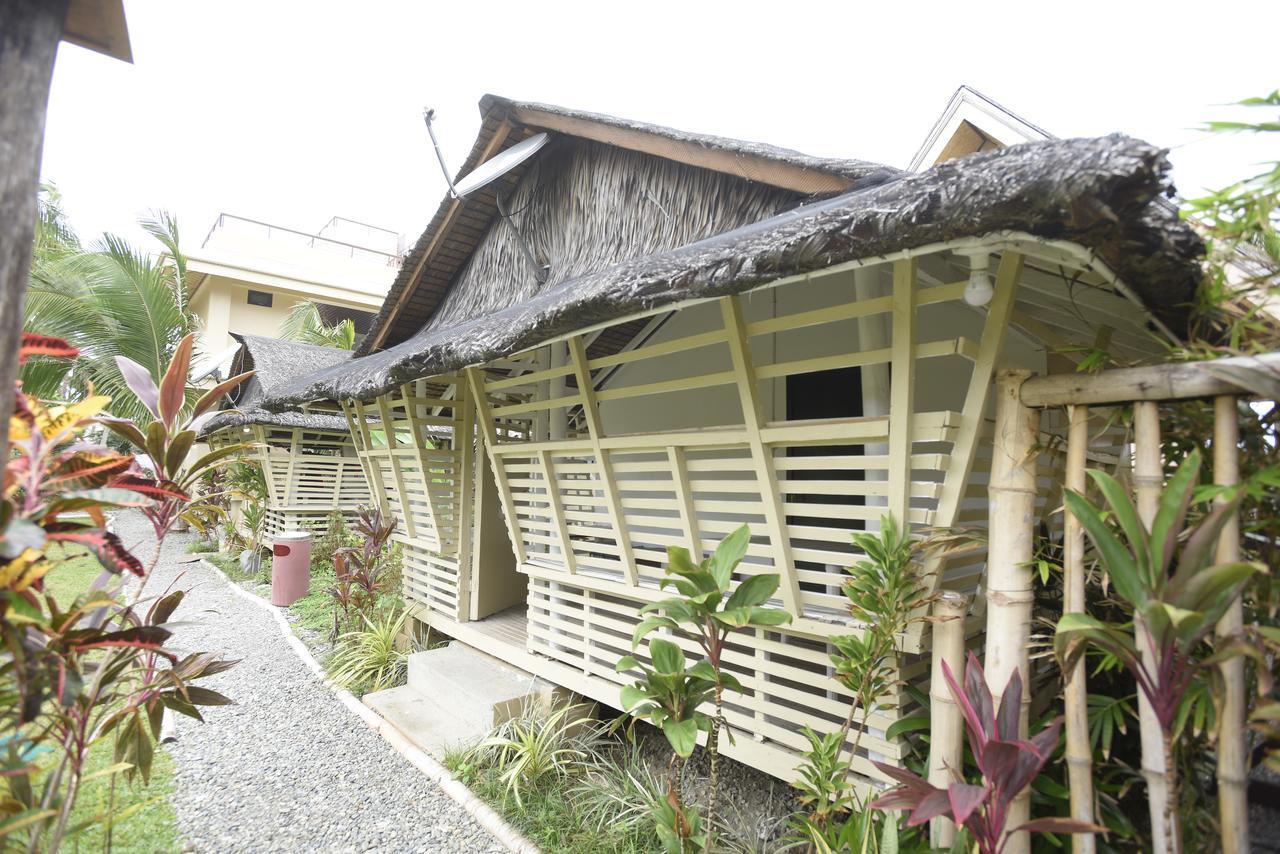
{"x":150,"y":824}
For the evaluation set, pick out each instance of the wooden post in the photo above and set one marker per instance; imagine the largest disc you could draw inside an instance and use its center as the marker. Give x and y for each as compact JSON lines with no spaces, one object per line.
{"x":946,"y":726}
{"x":1148,"y":481}
{"x":1233,"y":779}
{"x":1079,"y":752}
{"x":902,"y":370}
{"x":29,"y":33}
{"x":1009,"y":576}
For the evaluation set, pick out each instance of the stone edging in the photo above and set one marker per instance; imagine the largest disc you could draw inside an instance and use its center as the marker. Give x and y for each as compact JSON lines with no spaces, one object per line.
{"x":483,"y":814}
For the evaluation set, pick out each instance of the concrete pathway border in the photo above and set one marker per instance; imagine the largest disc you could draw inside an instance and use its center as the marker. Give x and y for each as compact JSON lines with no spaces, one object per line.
{"x":484,"y":814}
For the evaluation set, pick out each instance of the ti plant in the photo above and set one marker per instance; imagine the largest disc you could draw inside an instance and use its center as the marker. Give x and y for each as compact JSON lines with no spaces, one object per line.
{"x":357,"y":588}
{"x":1007,"y":763}
{"x":703,"y":613}
{"x":167,"y":442}
{"x":78,"y":671}
{"x":1175,"y":605}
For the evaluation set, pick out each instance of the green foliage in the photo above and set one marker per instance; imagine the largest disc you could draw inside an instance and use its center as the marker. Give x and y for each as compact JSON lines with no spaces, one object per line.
{"x":1174,"y":611}
{"x":370,"y":658}
{"x":82,"y":664}
{"x":708,"y":609}
{"x":336,"y":535}
{"x":361,"y":571}
{"x":201,"y":547}
{"x":618,"y":793}
{"x":533,"y":747}
{"x":111,"y":301}
{"x":305,"y":325}
{"x":887,"y":591}
{"x":1007,"y":765}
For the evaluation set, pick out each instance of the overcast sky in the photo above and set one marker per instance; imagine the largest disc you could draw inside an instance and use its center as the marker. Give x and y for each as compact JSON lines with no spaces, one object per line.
{"x":292,"y":112}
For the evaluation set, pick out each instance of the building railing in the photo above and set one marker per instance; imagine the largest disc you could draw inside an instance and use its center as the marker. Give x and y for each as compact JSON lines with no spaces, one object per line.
{"x":312,"y":241}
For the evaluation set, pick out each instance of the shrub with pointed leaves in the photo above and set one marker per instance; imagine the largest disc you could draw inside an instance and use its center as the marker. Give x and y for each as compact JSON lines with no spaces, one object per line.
{"x":1175,"y":604}
{"x":79,"y":671}
{"x":1007,"y":763}
{"x":708,"y":609}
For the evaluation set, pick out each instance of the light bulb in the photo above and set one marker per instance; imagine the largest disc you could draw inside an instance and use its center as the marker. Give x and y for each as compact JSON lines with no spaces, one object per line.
{"x":979,"y":291}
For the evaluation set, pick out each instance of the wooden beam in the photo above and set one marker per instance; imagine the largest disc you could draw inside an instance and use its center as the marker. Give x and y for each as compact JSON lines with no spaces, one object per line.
{"x":608,"y":484}
{"x":761,"y":455}
{"x":1174,"y":381}
{"x":437,"y":238}
{"x":974,"y":412}
{"x":902,"y":373}
{"x":484,"y":417}
{"x":684,"y":498}
{"x":556,"y":509}
{"x":464,"y":446}
{"x":694,"y":153}
{"x":389,"y":428}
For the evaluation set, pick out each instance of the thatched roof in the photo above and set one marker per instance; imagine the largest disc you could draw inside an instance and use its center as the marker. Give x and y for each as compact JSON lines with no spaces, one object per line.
{"x":276,"y":365}
{"x":1101,"y":194}
{"x":430,"y":267}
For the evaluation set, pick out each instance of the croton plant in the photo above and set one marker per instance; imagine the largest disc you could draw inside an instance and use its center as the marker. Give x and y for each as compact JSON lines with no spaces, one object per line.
{"x":76,"y":672}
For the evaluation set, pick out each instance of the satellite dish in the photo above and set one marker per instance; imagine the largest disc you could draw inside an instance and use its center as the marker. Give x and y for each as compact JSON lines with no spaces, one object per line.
{"x":495,"y":167}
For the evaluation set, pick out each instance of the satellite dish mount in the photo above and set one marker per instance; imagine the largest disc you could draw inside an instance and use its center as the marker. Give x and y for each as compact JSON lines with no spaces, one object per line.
{"x":488,"y":172}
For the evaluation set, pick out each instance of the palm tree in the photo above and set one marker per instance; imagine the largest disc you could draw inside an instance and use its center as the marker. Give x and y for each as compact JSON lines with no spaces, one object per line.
{"x":108,"y":300}
{"x":306,"y":326}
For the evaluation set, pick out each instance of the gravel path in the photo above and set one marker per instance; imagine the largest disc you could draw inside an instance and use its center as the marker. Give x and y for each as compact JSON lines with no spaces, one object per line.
{"x":287,"y":768}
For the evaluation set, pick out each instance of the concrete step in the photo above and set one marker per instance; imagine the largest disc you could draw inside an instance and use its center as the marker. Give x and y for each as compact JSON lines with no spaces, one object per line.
{"x":456,"y":695}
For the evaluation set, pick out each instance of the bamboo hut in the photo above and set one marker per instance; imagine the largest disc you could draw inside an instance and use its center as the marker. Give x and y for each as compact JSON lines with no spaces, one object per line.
{"x":307,"y":454}
{"x":642,"y":338}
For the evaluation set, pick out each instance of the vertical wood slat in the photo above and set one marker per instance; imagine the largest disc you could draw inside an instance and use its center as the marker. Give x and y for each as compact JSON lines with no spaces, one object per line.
{"x":464,"y":439}
{"x":1079,"y":752}
{"x":946,"y":726}
{"x":1148,"y":480}
{"x":1011,"y":531}
{"x":684,"y":499}
{"x":902,"y":372}
{"x":608,"y":484}
{"x":761,"y":456}
{"x":484,"y":415}
{"x":1233,"y":780}
{"x":358,"y":418}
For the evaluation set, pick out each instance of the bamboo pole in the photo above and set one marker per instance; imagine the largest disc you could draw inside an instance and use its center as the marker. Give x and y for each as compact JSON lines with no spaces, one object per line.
{"x":1148,"y":480}
{"x":946,"y":727}
{"x":1173,"y":381}
{"x":1079,"y":753}
{"x":1011,"y":531}
{"x":1233,"y":774}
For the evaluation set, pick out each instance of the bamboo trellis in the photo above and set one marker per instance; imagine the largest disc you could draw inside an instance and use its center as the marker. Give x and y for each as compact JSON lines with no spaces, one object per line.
{"x":1009,"y":634}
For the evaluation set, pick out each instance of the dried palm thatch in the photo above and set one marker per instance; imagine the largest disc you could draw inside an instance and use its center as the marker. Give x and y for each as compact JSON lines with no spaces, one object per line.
{"x":275,"y":364}
{"x":432,"y":265}
{"x":1101,"y":194}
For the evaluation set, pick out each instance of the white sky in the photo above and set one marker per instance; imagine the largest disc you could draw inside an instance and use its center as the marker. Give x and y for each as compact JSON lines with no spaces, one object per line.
{"x":292,"y":112}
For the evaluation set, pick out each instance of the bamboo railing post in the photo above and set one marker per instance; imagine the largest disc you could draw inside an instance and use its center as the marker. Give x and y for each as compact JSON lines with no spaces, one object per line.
{"x":1011,"y":533}
{"x":1233,"y":774}
{"x":1148,"y":481}
{"x":946,"y":727}
{"x":1079,"y":753}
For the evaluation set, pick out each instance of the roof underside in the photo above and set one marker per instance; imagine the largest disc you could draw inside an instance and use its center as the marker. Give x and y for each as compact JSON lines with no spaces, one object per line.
{"x":1101,"y":194}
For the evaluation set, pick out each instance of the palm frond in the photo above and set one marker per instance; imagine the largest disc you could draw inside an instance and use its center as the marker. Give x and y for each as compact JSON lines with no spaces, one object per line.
{"x":305,"y":325}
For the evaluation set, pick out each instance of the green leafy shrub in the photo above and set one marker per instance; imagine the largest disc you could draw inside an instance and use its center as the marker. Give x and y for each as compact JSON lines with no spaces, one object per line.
{"x":370,"y":658}
{"x":533,"y":747}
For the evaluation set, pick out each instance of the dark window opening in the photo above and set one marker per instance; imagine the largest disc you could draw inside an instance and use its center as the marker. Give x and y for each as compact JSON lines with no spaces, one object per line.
{"x":260,"y":298}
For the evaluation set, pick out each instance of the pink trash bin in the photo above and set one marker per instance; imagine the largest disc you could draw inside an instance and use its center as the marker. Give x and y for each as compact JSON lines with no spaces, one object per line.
{"x":290,"y":567}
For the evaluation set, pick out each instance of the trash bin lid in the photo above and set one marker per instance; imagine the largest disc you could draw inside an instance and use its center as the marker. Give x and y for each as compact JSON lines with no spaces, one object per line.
{"x":293,"y":535}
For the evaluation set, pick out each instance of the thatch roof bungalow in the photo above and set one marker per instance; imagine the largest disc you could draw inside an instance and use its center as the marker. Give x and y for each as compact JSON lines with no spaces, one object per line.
{"x":700,"y":332}
{"x":307,"y":454}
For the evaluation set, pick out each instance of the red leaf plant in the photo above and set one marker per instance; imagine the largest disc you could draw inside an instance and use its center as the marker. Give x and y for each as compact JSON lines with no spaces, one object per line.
{"x":1008,"y":765}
